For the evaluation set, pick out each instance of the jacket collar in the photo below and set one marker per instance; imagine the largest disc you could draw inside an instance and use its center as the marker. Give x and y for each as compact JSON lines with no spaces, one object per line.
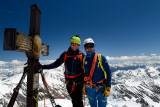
{"x":90,"y":54}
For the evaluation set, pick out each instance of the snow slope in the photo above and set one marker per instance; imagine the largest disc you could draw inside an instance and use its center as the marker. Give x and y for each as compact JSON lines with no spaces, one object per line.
{"x":134,"y":84}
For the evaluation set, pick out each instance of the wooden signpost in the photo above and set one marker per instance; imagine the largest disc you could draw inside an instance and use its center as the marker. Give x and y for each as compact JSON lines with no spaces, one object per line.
{"x":33,"y":47}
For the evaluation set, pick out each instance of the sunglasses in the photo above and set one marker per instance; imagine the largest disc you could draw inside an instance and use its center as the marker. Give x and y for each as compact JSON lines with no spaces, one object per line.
{"x":74,"y":44}
{"x":87,"y":47}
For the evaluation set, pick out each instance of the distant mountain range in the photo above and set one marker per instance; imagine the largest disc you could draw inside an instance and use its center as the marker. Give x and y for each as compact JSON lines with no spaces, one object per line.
{"x":134,"y":84}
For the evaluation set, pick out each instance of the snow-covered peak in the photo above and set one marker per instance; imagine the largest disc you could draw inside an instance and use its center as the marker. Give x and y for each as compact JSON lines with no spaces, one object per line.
{"x":134,"y":83}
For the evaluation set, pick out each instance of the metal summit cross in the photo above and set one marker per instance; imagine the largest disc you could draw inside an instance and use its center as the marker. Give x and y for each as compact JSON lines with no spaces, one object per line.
{"x":33,"y":47}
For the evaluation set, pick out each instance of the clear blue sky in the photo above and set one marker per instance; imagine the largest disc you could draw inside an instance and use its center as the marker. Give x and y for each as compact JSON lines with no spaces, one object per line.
{"x":118,"y":27}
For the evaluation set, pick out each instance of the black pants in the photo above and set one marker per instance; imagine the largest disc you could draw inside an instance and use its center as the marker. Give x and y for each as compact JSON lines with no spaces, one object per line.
{"x":76,"y":95}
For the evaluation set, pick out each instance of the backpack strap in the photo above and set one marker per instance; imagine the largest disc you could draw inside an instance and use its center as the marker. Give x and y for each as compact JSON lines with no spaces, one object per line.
{"x":66,"y":56}
{"x":100,"y":63}
{"x":80,"y":56}
{"x":93,"y":65}
{"x":84,"y":59}
{"x":88,"y":79}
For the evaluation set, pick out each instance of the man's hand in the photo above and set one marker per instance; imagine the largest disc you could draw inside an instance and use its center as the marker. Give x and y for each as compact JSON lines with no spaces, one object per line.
{"x":38,"y":67}
{"x":107,"y":92}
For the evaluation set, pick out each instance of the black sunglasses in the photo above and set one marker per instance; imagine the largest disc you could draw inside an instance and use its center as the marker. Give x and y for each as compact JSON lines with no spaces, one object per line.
{"x":89,"y":46}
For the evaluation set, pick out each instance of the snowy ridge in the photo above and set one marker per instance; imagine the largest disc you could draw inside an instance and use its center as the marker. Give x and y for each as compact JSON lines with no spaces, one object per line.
{"x":140,"y":85}
{"x":134,"y":84}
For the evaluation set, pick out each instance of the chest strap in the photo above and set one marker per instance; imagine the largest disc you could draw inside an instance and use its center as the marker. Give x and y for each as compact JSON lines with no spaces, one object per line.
{"x":66,"y":56}
{"x":68,"y":76}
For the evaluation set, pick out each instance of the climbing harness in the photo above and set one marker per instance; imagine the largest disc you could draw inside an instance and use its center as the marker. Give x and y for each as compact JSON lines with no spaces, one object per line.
{"x":88,"y":79}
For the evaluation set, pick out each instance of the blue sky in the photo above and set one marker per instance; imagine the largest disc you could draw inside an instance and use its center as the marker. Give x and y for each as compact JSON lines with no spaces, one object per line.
{"x":118,"y":27}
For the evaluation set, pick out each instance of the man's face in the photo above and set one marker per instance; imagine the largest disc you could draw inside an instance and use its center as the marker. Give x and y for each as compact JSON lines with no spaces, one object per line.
{"x":74,"y":46}
{"x":89,"y":48}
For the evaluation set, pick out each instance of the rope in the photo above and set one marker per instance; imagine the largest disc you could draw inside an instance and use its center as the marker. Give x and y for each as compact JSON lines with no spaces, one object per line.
{"x":84,"y":99}
{"x":73,"y":87}
{"x":44,"y":90}
{"x":85,"y":93}
{"x":47,"y":90}
{"x":46,"y":86}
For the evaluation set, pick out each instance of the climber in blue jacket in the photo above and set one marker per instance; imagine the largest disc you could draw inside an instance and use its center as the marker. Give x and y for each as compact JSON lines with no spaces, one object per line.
{"x":97,"y":76}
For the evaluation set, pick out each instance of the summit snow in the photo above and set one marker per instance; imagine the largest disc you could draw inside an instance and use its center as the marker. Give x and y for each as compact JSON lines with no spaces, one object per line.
{"x":135,"y":82}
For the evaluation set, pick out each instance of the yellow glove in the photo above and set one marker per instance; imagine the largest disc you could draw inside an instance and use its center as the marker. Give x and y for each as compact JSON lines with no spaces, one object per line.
{"x":84,"y":90}
{"x":107,"y":92}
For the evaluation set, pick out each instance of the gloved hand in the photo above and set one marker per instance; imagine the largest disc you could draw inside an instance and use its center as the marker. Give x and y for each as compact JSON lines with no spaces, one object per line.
{"x":107,"y":92}
{"x":84,"y":90}
{"x":38,"y":67}
{"x":41,"y":66}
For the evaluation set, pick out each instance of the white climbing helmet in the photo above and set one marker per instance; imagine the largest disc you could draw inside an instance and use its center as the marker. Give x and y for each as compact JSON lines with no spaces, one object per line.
{"x":88,"y":41}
